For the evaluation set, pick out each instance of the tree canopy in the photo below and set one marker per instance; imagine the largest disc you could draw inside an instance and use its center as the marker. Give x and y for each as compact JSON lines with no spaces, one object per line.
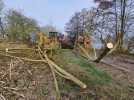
{"x":19,"y":26}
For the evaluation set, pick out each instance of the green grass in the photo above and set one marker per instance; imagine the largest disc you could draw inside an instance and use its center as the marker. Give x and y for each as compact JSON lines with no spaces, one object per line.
{"x":95,"y":75}
{"x":98,"y":76}
{"x":99,"y":82}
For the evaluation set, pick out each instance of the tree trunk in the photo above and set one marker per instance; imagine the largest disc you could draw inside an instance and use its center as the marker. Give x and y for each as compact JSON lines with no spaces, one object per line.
{"x":2,"y":29}
{"x":121,"y":34}
{"x":116,"y":19}
{"x":102,"y":55}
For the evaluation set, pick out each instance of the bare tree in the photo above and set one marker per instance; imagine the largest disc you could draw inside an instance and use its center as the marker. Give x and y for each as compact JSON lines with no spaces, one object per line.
{"x":80,"y":23}
{"x":123,"y":16}
{"x":119,"y":14}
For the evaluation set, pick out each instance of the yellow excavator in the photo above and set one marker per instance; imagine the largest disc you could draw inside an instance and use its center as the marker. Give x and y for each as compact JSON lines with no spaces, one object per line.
{"x":48,"y":42}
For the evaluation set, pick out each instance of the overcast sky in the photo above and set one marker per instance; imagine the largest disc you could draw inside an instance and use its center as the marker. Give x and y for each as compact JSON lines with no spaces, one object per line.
{"x":56,"y":12}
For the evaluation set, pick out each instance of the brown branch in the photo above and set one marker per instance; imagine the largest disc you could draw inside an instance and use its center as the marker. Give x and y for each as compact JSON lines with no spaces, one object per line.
{"x":53,"y":73}
{"x":26,"y":59}
{"x":62,"y":71}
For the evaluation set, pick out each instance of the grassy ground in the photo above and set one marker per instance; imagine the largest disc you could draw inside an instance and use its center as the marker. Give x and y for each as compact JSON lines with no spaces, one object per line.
{"x":101,"y":86}
{"x":35,"y":81}
{"x":98,"y":76}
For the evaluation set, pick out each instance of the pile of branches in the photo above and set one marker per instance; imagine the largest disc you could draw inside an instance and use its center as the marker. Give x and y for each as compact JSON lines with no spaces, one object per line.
{"x":12,"y":72}
{"x":5,"y":84}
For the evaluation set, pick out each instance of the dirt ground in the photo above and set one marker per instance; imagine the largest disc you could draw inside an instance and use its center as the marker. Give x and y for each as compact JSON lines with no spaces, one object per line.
{"x":121,"y":67}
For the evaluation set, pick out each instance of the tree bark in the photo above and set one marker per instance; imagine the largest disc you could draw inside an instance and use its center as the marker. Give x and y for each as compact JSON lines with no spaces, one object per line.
{"x":104,"y":53}
{"x":121,"y":34}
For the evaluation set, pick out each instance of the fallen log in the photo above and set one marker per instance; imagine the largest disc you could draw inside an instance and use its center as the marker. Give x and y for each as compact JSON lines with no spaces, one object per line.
{"x":68,"y":75}
{"x":54,"y":76}
{"x":53,"y":66}
{"x":63,"y":72}
{"x":26,"y":59}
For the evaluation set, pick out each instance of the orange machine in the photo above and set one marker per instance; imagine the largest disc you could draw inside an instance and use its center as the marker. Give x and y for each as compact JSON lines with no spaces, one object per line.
{"x":42,"y":39}
{"x":45,"y":41}
{"x":85,"y":41}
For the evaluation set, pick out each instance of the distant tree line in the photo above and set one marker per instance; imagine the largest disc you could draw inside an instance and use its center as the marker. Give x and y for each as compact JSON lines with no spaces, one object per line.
{"x":17,"y":26}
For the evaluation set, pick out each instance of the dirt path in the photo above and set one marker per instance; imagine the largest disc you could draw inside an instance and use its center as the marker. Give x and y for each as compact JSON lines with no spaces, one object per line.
{"x":121,"y":67}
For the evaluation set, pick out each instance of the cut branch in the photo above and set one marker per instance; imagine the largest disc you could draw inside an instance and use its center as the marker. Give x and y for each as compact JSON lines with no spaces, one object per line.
{"x":62,"y":71}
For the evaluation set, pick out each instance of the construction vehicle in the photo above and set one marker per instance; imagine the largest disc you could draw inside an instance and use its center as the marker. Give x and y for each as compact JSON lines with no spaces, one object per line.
{"x":85,"y":41}
{"x":45,"y":41}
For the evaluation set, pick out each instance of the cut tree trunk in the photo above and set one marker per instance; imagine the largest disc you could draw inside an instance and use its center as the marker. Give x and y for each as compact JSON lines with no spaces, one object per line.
{"x":104,"y":53}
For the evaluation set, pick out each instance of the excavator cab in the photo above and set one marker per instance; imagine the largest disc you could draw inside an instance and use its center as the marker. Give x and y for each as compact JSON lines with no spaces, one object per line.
{"x":53,"y":36}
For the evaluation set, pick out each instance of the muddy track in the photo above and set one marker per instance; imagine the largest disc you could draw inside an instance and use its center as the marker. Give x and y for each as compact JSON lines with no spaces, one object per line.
{"x":120,"y":67}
